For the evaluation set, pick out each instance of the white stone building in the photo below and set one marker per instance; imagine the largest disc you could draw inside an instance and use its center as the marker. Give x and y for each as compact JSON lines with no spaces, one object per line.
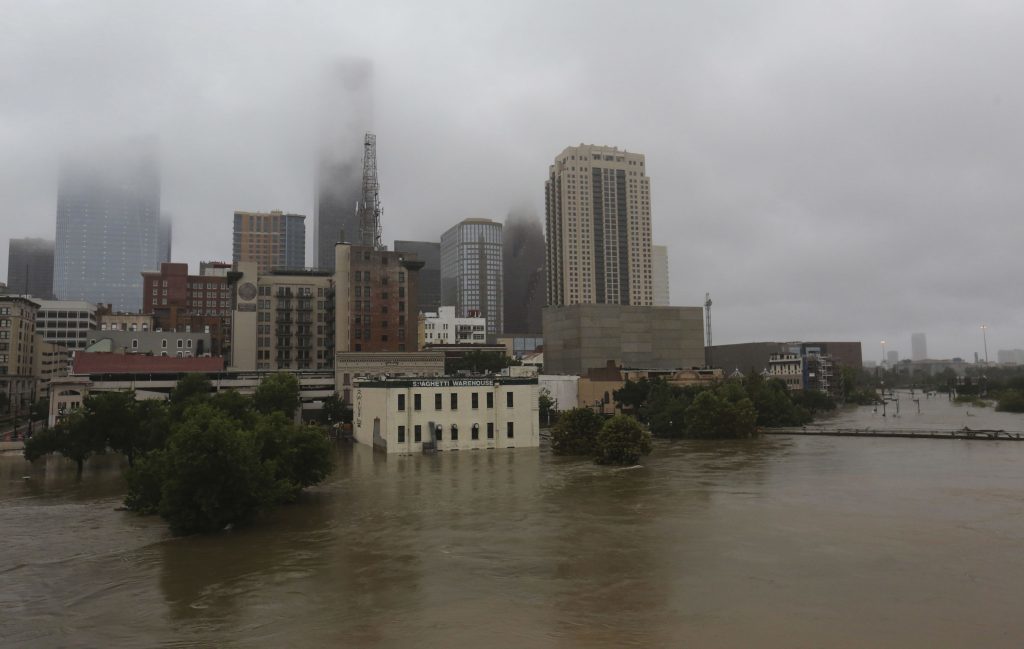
{"x":445,"y":328}
{"x":412,"y":415}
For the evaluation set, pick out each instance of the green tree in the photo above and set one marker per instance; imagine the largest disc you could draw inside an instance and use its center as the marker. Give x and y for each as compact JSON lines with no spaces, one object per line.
{"x":623,"y":441}
{"x":714,"y":416}
{"x":575,"y":432}
{"x":545,"y":404}
{"x":112,"y":417}
{"x":336,"y":411}
{"x":299,"y":456}
{"x":633,"y":394}
{"x":813,"y":401}
{"x":191,"y":388}
{"x":211,"y":474}
{"x":72,"y":437}
{"x":41,"y":410}
{"x":773,"y":403}
{"x":278,"y":392}
{"x":1010,"y":401}
{"x":235,"y":405}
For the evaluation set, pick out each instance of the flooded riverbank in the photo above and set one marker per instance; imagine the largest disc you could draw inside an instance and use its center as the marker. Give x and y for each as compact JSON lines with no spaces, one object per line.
{"x":775,"y":542}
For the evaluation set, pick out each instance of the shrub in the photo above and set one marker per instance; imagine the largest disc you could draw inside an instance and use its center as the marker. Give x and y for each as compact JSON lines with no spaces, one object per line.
{"x":622,"y":440}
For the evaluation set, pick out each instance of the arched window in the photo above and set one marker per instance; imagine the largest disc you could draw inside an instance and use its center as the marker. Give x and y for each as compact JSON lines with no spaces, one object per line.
{"x":475,"y":432}
{"x":438,"y":432}
{"x":455,"y":432}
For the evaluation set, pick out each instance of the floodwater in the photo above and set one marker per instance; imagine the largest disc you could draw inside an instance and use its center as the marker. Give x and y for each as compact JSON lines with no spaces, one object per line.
{"x":776,"y":542}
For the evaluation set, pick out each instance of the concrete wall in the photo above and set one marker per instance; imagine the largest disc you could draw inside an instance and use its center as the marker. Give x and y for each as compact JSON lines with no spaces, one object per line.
{"x":584,"y":336}
{"x":564,"y":389}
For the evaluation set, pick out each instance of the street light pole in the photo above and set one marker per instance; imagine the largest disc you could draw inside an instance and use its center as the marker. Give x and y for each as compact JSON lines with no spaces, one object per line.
{"x":984,"y":339}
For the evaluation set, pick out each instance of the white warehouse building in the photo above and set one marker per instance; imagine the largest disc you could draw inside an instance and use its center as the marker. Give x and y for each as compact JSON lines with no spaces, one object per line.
{"x":413,"y":415}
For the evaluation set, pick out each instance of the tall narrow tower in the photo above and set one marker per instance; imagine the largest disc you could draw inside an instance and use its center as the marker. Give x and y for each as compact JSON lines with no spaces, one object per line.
{"x":368,"y":209}
{"x":598,"y":202}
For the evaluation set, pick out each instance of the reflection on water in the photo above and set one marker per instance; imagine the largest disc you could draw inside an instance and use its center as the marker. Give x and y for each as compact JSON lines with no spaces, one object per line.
{"x":776,"y":542}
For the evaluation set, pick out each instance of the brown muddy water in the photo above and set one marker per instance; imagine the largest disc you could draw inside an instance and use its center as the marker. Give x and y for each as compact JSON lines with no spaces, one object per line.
{"x":776,"y":542}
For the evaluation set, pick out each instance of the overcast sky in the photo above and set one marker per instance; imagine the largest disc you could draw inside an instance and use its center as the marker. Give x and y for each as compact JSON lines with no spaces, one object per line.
{"x":826,"y":170}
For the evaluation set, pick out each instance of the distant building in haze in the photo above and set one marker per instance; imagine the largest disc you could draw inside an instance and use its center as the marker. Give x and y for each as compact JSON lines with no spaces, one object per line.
{"x":918,"y":347}
{"x":346,"y":100}
{"x":523,"y":274}
{"x":108,"y":226}
{"x":659,"y":275}
{"x":30,"y":267}
{"x":892,"y":358}
{"x":273,"y":240}
{"x":598,"y":228}
{"x":471,"y":271}
{"x":1010,"y":356}
{"x":429,"y":252}
{"x":165,"y":238}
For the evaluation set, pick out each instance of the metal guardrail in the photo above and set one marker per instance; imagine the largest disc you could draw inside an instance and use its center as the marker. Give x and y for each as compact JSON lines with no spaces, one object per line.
{"x":958,"y":433}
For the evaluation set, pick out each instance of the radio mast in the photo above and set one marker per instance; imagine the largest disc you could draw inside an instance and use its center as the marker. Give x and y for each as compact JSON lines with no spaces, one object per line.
{"x":368,"y":209}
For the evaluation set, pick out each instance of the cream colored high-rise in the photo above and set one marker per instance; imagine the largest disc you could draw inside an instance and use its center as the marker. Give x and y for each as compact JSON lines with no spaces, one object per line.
{"x":598,"y":203}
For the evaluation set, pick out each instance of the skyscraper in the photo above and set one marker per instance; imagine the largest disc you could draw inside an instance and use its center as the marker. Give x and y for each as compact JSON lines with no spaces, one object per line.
{"x":30,"y":268}
{"x":471,"y":271}
{"x":165,"y":238}
{"x":598,"y":228}
{"x":429,"y":283}
{"x":523,"y":273}
{"x":659,"y":275}
{"x":108,"y":214}
{"x":918,"y":347}
{"x":271,"y":239}
{"x":346,"y":101}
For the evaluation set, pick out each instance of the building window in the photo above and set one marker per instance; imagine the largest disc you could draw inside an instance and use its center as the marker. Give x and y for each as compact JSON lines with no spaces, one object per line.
{"x":416,"y":402}
{"x":401,"y":434}
{"x":163,"y":344}
{"x":508,"y":399}
{"x":490,"y":399}
{"x":401,"y":402}
{"x":490,"y":430}
{"x":455,"y":433}
{"x":417,"y":433}
{"x":455,"y":401}
{"x":437,"y":401}
{"x":437,"y":433}
{"x":508,"y":430}
{"x":181,"y":343}
{"x":475,"y":401}
{"x":346,"y":379}
{"x":475,"y":432}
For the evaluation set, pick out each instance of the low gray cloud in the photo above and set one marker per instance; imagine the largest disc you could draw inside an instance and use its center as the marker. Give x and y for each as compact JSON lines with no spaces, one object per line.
{"x":826,"y":170}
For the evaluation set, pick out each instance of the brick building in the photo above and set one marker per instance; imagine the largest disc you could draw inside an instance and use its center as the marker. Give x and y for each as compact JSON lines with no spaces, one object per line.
{"x":178,"y":301}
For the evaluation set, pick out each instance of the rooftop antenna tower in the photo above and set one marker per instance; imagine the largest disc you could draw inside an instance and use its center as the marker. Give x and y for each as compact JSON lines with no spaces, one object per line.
{"x":368,"y":209}
{"x":707,"y":328}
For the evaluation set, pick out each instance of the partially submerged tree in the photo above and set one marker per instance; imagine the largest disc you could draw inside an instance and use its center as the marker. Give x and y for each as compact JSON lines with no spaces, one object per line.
{"x":623,"y":441}
{"x":575,"y":432}
{"x":73,"y":437}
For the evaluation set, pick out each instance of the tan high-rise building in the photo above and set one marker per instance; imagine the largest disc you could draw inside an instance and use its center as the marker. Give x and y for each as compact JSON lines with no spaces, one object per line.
{"x":598,"y":202}
{"x":273,"y":240}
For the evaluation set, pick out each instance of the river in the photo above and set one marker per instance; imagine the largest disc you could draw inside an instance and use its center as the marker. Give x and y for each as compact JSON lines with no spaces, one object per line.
{"x":775,"y":542}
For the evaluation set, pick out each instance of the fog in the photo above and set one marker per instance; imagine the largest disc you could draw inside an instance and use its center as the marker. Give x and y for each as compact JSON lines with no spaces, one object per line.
{"x":842,"y":170}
